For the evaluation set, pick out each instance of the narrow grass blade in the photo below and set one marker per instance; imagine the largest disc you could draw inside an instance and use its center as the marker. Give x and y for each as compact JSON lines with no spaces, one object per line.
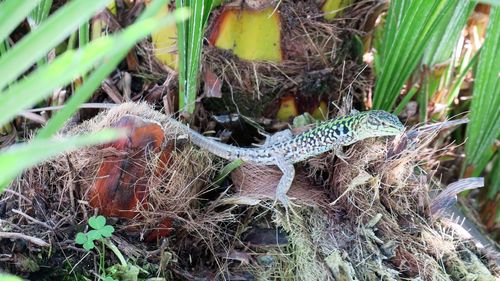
{"x":83,"y":34}
{"x":4,"y":47}
{"x":455,"y":88}
{"x":494,"y":187}
{"x":405,"y":100}
{"x":189,"y":46}
{"x":491,"y":2}
{"x":182,"y":46}
{"x":52,"y":31}
{"x":61,"y":71}
{"x":227,"y":170}
{"x":484,"y":126}
{"x":409,"y":27}
{"x":5,"y":277}
{"x":391,"y":25}
{"x":39,"y":14}
{"x":83,"y":39}
{"x":445,"y":36}
{"x":439,"y":50}
{"x":12,"y":13}
{"x":195,"y":37}
{"x":94,"y":80}
{"x":21,"y":156}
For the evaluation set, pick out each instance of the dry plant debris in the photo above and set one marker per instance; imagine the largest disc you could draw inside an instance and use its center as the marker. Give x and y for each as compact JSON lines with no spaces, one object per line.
{"x":313,"y":61}
{"x":364,"y":217}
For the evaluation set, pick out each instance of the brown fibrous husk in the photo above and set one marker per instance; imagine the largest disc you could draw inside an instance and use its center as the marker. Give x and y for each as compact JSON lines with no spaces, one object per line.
{"x":371,"y":220}
{"x":55,"y":193}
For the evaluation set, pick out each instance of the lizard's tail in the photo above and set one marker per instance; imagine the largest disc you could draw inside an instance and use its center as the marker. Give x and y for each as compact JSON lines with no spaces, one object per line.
{"x":222,"y":150}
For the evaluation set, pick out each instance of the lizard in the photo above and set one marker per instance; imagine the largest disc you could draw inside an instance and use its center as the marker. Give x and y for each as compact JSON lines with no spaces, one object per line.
{"x":284,"y":149}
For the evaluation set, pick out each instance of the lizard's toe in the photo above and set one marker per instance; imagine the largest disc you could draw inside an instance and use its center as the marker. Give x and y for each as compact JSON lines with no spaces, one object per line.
{"x":286,"y":202}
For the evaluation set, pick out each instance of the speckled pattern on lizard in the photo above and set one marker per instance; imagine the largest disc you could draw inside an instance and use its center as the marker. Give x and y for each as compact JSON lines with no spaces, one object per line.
{"x":283,"y":149}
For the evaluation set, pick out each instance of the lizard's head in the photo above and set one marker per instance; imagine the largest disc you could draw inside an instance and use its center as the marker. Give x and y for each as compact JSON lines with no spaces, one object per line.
{"x":378,"y":123}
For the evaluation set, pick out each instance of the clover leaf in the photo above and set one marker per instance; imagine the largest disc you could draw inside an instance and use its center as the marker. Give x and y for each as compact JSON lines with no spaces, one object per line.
{"x":94,"y":235}
{"x":106,"y":231}
{"x":100,"y":231}
{"x":89,"y":245}
{"x":97,"y":222}
{"x":85,"y":240}
{"x":80,"y":238}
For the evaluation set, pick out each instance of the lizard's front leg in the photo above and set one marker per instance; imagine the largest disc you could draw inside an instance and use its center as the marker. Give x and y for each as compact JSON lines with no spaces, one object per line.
{"x":281,"y":136}
{"x":286,"y":180}
{"x":339,"y":152}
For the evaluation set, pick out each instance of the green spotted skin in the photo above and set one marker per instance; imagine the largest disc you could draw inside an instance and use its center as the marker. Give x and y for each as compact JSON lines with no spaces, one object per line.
{"x":328,"y":135}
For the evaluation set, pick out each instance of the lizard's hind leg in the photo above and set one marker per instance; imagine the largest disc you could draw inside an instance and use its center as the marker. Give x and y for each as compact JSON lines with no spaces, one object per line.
{"x":285,"y":182}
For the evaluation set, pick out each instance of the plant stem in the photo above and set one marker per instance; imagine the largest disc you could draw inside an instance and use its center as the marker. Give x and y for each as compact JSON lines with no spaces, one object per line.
{"x":116,"y":251}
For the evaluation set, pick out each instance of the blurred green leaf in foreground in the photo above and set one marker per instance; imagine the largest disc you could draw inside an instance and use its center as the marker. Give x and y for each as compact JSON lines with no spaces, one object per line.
{"x":20,"y":90}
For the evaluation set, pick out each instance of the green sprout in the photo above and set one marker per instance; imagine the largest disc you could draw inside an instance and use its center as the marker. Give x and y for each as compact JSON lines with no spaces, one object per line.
{"x":100,"y":231}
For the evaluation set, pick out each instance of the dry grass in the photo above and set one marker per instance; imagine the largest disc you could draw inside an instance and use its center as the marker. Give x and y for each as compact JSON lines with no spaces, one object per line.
{"x":316,"y":62}
{"x":377,"y":224}
{"x":362,"y":218}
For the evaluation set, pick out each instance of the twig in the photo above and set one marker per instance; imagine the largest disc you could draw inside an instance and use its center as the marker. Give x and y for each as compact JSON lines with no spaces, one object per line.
{"x":16,"y":235}
{"x":76,"y":265}
{"x":30,"y":218}
{"x":19,"y":195}
{"x":85,"y":105}
{"x":33,"y":117}
{"x":13,"y":225}
{"x":112,"y":92}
